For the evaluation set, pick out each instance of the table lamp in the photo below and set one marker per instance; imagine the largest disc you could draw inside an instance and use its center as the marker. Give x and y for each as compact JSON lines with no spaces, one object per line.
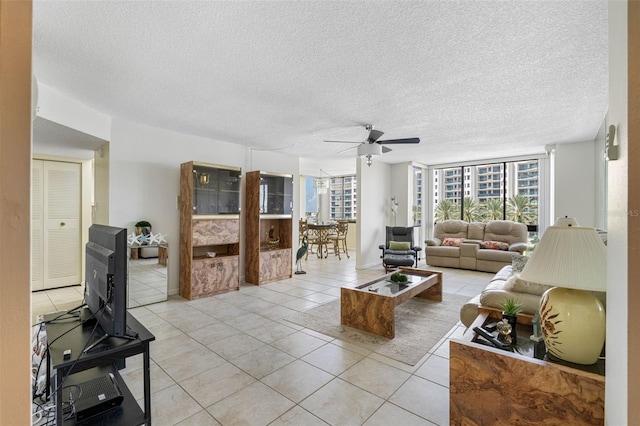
{"x":573,"y":260}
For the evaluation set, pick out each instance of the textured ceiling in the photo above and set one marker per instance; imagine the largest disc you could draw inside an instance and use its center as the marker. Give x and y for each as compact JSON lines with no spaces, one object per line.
{"x":472,"y":79}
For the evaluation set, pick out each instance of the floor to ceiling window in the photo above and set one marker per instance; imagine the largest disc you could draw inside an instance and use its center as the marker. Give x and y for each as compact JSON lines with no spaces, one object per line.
{"x":342,"y":190}
{"x":418,"y":195}
{"x":483,"y":192}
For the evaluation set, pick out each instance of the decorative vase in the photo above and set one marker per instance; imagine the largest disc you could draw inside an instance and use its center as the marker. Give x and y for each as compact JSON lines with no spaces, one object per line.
{"x":143,"y":230}
{"x":573,"y":325}
{"x":512,"y":320}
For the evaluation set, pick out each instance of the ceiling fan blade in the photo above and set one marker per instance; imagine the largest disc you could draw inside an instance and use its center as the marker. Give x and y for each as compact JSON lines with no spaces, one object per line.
{"x":374,"y":135}
{"x":343,"y":141}
{"x":385,"y":149}
{"x":398,"y":141}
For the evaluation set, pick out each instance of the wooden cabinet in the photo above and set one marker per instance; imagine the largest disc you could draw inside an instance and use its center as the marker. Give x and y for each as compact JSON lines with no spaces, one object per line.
{"x":268,"y":221}
{"x":209,"y":229}
{"x":493,"y":386}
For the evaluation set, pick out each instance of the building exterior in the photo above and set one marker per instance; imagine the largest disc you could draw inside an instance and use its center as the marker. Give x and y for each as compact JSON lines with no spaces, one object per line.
{"x":343,"y":201}
{"x":485,"y":182}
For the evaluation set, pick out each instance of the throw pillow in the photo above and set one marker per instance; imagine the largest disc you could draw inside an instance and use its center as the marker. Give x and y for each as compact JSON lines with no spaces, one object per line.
{"x":452,"y":242}
{"x":399,"y":245}
{"x":515,"y":284}
{"x":494,"y":245}
{"x":518,"y":262}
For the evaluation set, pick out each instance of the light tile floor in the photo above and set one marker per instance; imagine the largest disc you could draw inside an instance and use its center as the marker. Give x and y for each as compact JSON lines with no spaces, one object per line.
{"x":231,"y":359}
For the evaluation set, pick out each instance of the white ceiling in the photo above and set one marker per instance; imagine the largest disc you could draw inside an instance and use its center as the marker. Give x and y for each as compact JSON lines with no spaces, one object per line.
{"x":472,"y":79}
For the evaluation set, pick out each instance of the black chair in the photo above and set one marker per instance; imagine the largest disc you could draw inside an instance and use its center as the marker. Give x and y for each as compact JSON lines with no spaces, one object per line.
{"x":399,"y":249}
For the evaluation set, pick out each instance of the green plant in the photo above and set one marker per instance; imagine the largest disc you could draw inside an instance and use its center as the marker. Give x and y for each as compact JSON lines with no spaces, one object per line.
{"x":397,"y":277}
{"x":142,"y":224}
{"x":511,"y":307}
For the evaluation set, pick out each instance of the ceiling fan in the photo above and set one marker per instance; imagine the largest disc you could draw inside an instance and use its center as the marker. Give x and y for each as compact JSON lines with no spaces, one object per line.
{"x":372,"y":146}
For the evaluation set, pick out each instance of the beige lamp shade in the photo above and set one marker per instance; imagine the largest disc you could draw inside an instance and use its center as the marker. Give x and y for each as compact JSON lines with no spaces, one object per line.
{"x":573,"y":259}
{"x":570,"y":257}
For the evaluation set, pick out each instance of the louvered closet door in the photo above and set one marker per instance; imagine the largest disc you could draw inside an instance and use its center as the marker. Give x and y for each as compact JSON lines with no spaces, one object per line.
{"x":61,"y":242}
{"x":37,"y":234}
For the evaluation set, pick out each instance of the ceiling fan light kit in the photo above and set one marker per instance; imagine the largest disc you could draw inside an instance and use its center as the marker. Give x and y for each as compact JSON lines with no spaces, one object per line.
{"x":372,"y":146}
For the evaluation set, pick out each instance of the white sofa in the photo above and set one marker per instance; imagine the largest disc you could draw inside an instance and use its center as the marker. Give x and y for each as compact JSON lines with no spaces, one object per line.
{"x":506,"y":284}
{"x":498,"y":290}
{"x":471,"y":239}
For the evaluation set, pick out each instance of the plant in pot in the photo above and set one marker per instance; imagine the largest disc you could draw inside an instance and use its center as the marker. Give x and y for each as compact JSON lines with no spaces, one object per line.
{"x":143,"y":227}
{"x":510,"y":311}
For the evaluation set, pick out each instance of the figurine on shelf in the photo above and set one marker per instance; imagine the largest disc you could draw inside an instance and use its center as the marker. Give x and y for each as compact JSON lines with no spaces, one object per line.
{"x":504,"y":331}
{"x":537,"y":333}
{"x":272,"y":240}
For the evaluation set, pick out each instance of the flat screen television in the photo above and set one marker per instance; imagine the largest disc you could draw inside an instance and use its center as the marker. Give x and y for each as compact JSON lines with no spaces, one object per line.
{"x":105,"y":291}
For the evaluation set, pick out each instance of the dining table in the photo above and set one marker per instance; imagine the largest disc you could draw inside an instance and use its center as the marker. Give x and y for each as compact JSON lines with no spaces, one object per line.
{"x":322,"y":232}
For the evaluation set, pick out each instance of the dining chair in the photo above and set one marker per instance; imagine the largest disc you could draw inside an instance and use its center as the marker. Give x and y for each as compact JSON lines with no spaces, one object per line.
{"x":339,"y":238}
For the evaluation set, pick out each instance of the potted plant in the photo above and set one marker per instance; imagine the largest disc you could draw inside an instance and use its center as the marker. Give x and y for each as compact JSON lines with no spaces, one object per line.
{"x":143,"y":227}
{"x":510,"y":311}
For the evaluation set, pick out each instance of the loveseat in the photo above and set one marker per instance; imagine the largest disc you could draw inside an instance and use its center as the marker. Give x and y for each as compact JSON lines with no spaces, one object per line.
{"x":481,"y":246}
{"x":503,"y":286}
{"x":506,"y":284}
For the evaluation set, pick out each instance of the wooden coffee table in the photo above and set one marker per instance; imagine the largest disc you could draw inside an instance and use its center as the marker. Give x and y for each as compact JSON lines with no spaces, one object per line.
{"x":371,"y":306}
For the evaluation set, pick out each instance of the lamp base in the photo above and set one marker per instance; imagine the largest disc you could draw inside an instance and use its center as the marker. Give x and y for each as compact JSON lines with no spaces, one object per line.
{"x":573,"y":325}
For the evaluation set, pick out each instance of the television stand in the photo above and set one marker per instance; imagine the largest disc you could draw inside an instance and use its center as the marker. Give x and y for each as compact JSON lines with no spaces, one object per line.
{"x":130,"y":335}
{"x":67,"y":335}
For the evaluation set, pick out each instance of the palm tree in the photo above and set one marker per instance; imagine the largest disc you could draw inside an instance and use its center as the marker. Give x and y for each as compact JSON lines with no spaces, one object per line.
{"x":521,"y":209}
{"x":446,"y":210}
{"x":493,"y":209}
{"x":471,"y":211}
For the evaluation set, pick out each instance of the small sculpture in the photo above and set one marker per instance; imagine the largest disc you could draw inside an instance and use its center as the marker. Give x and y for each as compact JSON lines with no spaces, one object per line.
{"x":300,"y":254}
{"x":272,"y":240}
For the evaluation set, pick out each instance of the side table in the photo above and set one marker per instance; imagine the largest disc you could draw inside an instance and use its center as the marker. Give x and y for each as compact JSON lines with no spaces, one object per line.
{"x":494,"y":386}
{"x":102,"y":360}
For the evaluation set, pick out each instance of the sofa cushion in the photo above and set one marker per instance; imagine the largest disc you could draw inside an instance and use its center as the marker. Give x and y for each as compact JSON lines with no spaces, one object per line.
{"x":494,"y":245}
{"x":399,"y":245}
{"x":518,"y":247}
{"x":495,"y":255}
{"x":505,"y":230}
{"x":452,"y":242}
{"x":476,"y":231}
{"x":451,"y":228}
{"x":443,"y":251}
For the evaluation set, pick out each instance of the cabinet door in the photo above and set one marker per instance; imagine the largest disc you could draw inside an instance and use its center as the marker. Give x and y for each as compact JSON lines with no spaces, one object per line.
{"x":283,"y":264}
{"x":212,"y":232}
{"x":213,"y":276}
{"x":275,"y":264}
{"x":268,"y":271}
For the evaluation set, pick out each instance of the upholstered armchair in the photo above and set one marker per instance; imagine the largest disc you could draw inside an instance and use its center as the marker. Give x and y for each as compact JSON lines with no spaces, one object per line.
{"x":399,"y":249}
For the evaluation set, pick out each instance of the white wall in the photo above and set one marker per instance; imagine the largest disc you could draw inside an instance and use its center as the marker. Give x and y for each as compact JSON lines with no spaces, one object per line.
{"x":400,"y":189}
{"x":617,"y":384}
{"x":373,"y":211}
{"x":144,"y":178}
{"x":575,"y":182}
{"x":59,"y":108}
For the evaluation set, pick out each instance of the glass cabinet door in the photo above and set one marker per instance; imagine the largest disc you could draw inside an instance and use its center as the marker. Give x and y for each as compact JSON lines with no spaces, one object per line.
{"x":229,"y":191}
{"x":276,"y":195}
{"x":215,"y":191}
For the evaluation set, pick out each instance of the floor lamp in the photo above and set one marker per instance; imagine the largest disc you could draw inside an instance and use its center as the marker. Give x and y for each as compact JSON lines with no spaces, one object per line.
{"x":572,"y":259}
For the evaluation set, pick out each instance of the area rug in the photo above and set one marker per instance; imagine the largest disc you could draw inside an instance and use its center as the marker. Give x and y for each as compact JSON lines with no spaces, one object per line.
{"x":420,"y":324}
